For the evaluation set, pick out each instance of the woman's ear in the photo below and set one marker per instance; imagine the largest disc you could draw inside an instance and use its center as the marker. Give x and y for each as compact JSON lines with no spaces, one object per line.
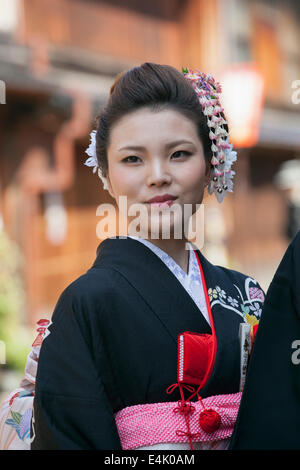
{"x":109,"y":187}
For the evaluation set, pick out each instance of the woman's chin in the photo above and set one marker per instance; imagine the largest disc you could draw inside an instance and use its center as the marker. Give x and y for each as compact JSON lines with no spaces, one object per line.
{"x":166,"y":228}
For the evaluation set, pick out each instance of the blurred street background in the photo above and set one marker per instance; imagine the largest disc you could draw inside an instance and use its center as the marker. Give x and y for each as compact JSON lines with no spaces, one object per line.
{"x":58,"y":59}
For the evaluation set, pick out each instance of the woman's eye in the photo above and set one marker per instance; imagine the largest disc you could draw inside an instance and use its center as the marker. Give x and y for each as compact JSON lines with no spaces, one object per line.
{"x":181,"y":153}
{"x":131,"y":159}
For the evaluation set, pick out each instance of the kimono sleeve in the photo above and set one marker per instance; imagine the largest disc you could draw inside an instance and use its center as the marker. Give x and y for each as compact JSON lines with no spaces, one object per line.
{"x":269,"y":413}
{"x":71,"y":409}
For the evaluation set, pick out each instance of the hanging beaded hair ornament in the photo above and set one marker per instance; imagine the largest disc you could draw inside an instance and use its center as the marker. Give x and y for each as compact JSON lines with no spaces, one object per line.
{"x":223,"y":156}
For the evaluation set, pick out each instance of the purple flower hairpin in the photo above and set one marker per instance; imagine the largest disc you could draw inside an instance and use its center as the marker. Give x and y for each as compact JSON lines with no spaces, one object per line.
{"x":208,"y":90}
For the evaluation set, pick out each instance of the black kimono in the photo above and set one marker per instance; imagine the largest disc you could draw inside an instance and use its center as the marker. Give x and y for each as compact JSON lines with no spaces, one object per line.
{"x":113,"y":343}
{"x":269,"y":415}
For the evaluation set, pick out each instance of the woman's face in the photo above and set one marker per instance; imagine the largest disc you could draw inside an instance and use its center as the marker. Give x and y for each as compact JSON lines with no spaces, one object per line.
{"x":155,"y":153}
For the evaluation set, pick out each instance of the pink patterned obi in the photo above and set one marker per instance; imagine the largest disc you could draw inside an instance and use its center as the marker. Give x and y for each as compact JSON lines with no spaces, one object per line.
{"x":156,"y":423}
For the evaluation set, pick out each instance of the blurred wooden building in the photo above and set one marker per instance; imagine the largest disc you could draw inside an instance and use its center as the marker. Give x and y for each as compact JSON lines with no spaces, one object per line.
{"x":58,"y":59}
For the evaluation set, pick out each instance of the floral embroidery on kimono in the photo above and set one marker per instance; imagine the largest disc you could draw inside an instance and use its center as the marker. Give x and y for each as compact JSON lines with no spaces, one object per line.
{"x":248,"y":306}
{"x":15,"y":417}
{"x":16,"y":410}
{"x":21,"y":423}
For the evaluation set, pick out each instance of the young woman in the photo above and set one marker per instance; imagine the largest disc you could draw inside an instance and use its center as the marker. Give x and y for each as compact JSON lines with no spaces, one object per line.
{"x":143,"y":350}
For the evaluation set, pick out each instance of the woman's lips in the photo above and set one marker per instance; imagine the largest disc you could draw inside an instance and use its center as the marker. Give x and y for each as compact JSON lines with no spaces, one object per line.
{"x":162,"y":204}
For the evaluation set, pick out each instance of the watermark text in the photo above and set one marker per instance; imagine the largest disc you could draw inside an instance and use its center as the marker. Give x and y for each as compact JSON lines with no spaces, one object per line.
{"x":152,"y":221}
{"x":2,"y":92}
{"x":296,"y":94}
{"x":296,"y":354}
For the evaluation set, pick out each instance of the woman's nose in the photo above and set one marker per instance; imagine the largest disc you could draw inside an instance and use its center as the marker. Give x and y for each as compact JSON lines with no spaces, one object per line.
{"x":158,"y":174}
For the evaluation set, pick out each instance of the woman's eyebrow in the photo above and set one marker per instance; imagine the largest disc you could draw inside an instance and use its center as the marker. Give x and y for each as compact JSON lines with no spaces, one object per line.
{"x":168,"y":145}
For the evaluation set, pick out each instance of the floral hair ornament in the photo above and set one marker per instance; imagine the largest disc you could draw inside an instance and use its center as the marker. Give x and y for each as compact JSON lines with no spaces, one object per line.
{"x":92,"y":160}
{"x":221,"y":174}
{"x":208,"y":90}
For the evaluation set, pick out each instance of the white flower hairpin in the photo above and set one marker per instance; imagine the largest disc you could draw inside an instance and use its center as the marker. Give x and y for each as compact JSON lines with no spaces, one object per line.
{"x":93,"y":161}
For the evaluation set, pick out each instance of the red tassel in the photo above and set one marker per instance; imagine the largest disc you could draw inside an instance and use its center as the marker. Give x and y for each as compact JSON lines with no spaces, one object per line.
{"x":210,"y":420}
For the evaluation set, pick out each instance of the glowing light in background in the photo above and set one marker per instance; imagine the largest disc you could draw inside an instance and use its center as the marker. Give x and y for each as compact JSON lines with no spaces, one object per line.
{"x":9,"y":15}
{"x":288,"y":178}
{"x":56,"y":218}
{"x":242,"y":98}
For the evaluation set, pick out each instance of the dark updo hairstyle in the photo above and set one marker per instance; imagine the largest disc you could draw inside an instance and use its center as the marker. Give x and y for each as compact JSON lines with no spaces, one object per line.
{"x":154,"y":86}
